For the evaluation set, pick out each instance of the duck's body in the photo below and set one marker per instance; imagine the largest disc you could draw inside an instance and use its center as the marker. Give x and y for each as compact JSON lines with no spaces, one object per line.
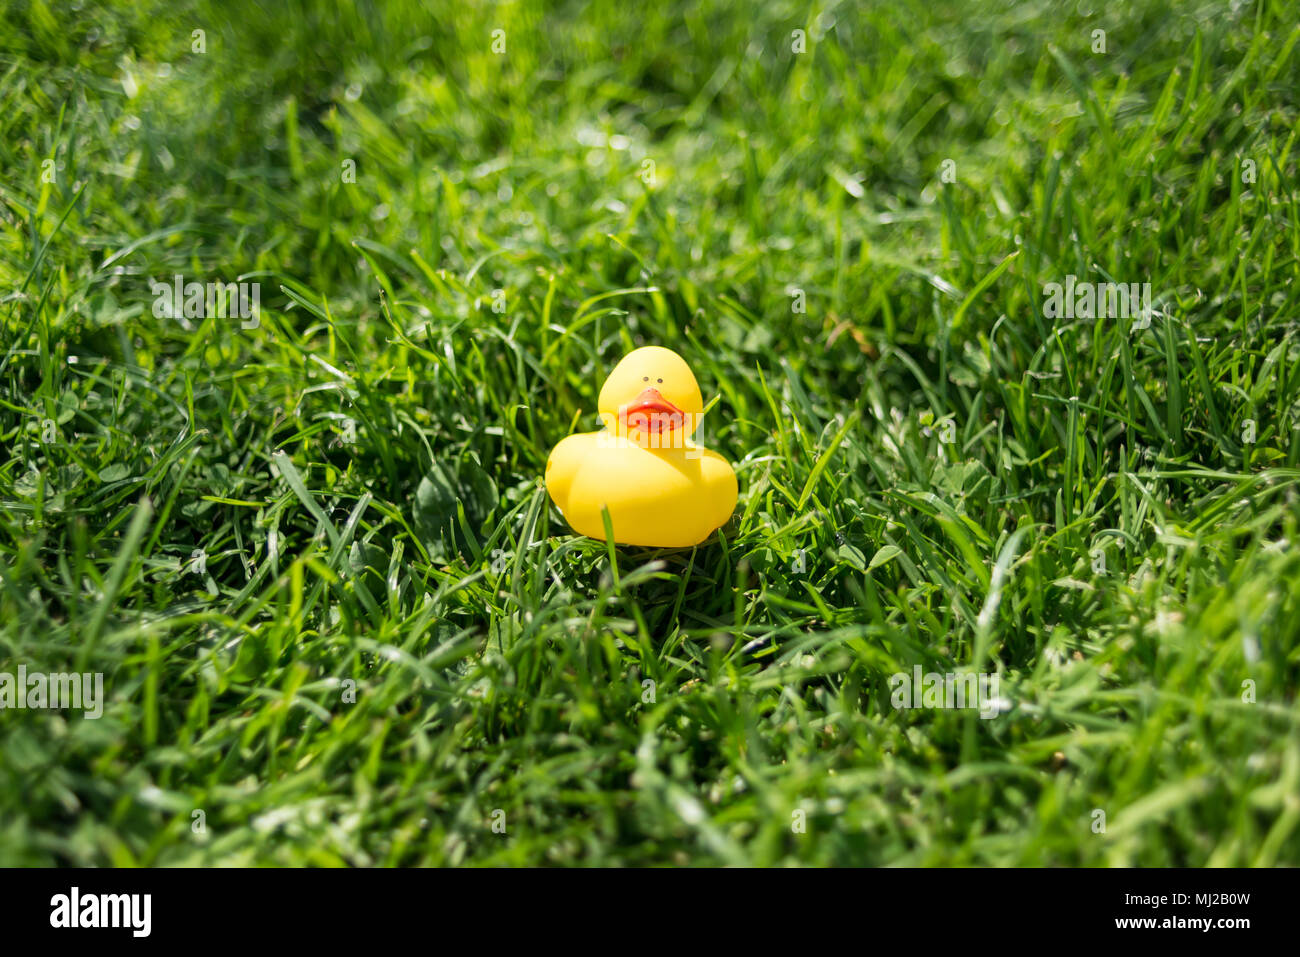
{"x":655,"y":497}
{"x":660,"y":488}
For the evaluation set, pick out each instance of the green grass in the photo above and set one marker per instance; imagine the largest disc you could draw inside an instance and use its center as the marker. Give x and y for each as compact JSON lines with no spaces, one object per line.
{"x":363,"y":469}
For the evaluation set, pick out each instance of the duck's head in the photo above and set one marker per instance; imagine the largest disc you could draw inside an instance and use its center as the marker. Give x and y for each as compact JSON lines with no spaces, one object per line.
{"x":652,"y":397}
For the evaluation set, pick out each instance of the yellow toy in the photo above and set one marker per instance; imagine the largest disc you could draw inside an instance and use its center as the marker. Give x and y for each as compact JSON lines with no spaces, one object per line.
{"x":661,"y":488}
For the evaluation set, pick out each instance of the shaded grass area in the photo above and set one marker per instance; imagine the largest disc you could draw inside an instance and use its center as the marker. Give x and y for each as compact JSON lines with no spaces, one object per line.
{"x":339,"y":621}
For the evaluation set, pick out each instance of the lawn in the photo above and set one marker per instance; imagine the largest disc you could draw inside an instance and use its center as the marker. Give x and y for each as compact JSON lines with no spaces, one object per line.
{"x":308,"y":547}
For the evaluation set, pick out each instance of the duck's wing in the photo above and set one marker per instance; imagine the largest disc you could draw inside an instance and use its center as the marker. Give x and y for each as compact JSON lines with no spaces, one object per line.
{"x":720,"y":484}
{"x":563,"y":464}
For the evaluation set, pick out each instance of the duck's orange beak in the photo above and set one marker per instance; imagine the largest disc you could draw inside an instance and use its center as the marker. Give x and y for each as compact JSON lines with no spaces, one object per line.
{"x":651,"y":412}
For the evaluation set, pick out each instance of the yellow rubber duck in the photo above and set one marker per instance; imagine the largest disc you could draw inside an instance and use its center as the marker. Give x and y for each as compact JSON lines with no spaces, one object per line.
{"x":661,"y":488}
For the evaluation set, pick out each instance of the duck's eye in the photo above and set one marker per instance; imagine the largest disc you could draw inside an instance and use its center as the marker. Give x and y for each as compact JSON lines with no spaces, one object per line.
{"x":660,"y":381}
{"x":645,"y":378}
